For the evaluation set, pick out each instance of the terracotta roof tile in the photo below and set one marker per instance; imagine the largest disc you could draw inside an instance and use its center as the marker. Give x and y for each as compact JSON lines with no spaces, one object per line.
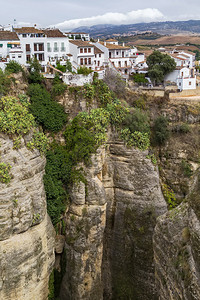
{"x":80,"y":43}
{"x":114,"y":47}
{"x":97,"y":50}
{"x":54,"y":33}
{"x":28,"y":30}
{"x":8,"y":36}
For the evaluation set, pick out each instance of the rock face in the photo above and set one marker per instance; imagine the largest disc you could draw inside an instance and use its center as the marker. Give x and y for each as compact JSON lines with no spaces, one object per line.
{"x":26,"y":232}
{"x":109,"y":249}
{"x":177,"y":249}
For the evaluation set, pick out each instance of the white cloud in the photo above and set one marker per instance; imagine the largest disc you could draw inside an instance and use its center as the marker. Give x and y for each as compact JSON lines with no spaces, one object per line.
{"x":135,"y":16}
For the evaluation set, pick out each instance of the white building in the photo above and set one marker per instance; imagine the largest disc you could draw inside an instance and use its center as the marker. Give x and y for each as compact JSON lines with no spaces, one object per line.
{"x":83,"y":54}
{"x":183,"y":77}
{"x":10,"y":48}
{"x":116,"y":56}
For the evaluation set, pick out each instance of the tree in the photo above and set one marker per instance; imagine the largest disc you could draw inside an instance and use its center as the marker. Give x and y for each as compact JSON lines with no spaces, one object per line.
{"x":115,"y":82}
{"x":35,"y":69}
{"x":159,"y":65}
{"x":160,"y":130}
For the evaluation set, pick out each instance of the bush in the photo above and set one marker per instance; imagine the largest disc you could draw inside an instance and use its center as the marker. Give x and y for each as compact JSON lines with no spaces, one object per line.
{"x":13,"y":67}
{"x":186,"y":168}
{"x":5,"y":176}
{"x":139,"y":78}
{"x":5,"y":83}
{"x":137,"y":121}
{"x":84,"y":70}
{"x":160,"y":131}
{"x":47,"y":112}
{"x":136,"y":139}
{"x":114,"y":82}
{"x":182,"y":128}
{"x":35,"y":72}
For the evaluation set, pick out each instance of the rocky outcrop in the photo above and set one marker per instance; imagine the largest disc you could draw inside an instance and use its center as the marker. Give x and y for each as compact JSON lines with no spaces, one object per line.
{"x":177,"y":249}
{"x":26,"y":232}
{"x":109,"y":228}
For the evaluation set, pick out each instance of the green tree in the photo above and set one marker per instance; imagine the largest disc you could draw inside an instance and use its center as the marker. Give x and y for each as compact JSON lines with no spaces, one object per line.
{"x":13,"y":67}
{"x":160,"y":130}
{"x":35,"y":69}
{"x":159,"y":65}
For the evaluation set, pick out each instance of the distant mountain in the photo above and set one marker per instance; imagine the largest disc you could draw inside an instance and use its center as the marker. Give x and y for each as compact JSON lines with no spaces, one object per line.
{"x":169,"y":27}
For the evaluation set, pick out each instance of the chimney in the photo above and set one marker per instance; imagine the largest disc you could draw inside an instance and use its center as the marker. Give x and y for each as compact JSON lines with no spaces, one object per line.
{"x":98,"y":40}
{"x":104,"y":43}
{"x":123,"y":44}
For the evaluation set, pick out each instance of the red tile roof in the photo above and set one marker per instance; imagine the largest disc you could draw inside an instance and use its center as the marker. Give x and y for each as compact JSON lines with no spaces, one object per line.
{"x":80,"y":43}
{"x":28,"y":30}
{"x":54,"y":33}
{"x":8,"y":36}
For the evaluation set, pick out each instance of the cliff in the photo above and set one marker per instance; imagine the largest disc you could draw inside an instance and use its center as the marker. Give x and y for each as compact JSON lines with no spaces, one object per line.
{"x":109,"y":227}
{"x":177,"y":250}
{"x":26,"y":232}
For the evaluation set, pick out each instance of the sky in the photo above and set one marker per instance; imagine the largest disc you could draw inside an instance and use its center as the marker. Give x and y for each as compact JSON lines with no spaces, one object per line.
{"x":68,"y":15}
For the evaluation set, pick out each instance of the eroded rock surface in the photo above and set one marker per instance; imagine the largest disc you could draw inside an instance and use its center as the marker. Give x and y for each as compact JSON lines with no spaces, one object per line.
{"x":177,"y":249}
{"x":26,"y":232}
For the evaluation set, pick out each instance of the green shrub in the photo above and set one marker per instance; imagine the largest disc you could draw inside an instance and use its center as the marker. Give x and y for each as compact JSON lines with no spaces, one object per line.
{"x":169,"y":196}
{"x":139,"y":78}
{"x":136,"y":139}
{"x":39,"y":141}
{"x":5,"y":83}
{"x":60,"y":67}
{"x":137,"y":121}
{"x":160,"y":131}
{"x":186,"y":168}
{"x":84,"y":70}
{"x":15,"y":117}
{"x":13,"y":67}
{"x":181,"y":128}
{"x":35,"y":71}
{"x":5,"y":176}
{"x":47,"y":112}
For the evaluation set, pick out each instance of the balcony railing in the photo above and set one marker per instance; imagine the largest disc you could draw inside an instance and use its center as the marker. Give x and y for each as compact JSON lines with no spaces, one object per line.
{"x":49,"y":49}
{"x":55,"y":50}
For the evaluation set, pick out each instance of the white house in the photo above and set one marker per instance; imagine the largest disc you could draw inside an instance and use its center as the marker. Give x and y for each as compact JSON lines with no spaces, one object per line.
{"x":184,"y":77}
{"x":83,"y":54}
{"x":56,"y":46}
{"x":33,"y":43}
{"x":116,"y":56}
{"x":10,"y":48}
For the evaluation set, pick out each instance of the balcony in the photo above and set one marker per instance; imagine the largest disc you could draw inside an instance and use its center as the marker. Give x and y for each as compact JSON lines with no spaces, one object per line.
{"x":55,"y":49}
{"x":63,"y":49}
{"x":49,"y":49}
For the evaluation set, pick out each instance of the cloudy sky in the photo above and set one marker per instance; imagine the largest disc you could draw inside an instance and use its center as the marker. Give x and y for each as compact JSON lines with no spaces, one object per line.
{"x":71,"y":14}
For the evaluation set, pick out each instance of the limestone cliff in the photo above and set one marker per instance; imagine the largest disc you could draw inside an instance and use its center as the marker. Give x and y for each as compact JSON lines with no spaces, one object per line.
{"x":109,"y":249}
{"x":26,"y":232}
{"x":177,"y":249}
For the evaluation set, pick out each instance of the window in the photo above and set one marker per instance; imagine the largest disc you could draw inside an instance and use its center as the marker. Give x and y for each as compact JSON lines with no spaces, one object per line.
{"x":1,"y":45}
{"x":9,"y":46}
{"x":81,"y":61}
{"x":117,"y":52}
{"x":62,"y":46}
{"x":19,"y":56}
{"x":24,"y":35}
{"x":190,"y":83}
{"x":85,"y":61}
{"x":89,"y":61}
{"x":41,"y":57}
{"x":28,"y":48}
{"x":41,"y":47}
{"x":28,"y":57}
{"x":122,"y":53}
{"x":13,"y":56}
{"x":98,"y":63}
{"x":55,"y":46}
{"x":85,"y":50}
{"x":109,"y":54}
{"x":81,"y":50}
{"x":99,"y":55}
{"x":35,"y":47}
{"x":48,"y":47}
{"x":89,"y":50}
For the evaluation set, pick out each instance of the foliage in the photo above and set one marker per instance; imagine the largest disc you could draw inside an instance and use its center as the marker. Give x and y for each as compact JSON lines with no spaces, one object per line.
{"x":159,"y":65}
{"x":51,"y":286}
{"x":13,"y":67}
{"x":56,"y":178}
{"x":47,"y":112}
{"x":139,"y":78}
{"x":15,"y":117}
{"x":68,"y":66}
{"x":137,"y":121}
{"x":115,"y":82}
{"x":117,"y":112}
{"x":5,"y":82}
{"x":136,"y":139}
{"x":58,"y":87}
{"x":152,"y":158}
{"x":186,"y":168}
{"x":35,"y":69}
{"x":169,"y":196}
{"x":5,"y":176}
{"x":102,"y":92}
{"x":160,"y":130}
{"x":39,"y":141}
{"x":197,"y":54}
{"x":181,"y":128}
{"x":80,"y":141}
{"x":60,"y":67}
{"x":84,"y":70}
{"x":89,"y":91}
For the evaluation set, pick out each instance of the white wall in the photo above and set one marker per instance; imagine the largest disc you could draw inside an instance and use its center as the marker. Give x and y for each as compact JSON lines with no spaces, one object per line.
{"x":77,"y":79}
